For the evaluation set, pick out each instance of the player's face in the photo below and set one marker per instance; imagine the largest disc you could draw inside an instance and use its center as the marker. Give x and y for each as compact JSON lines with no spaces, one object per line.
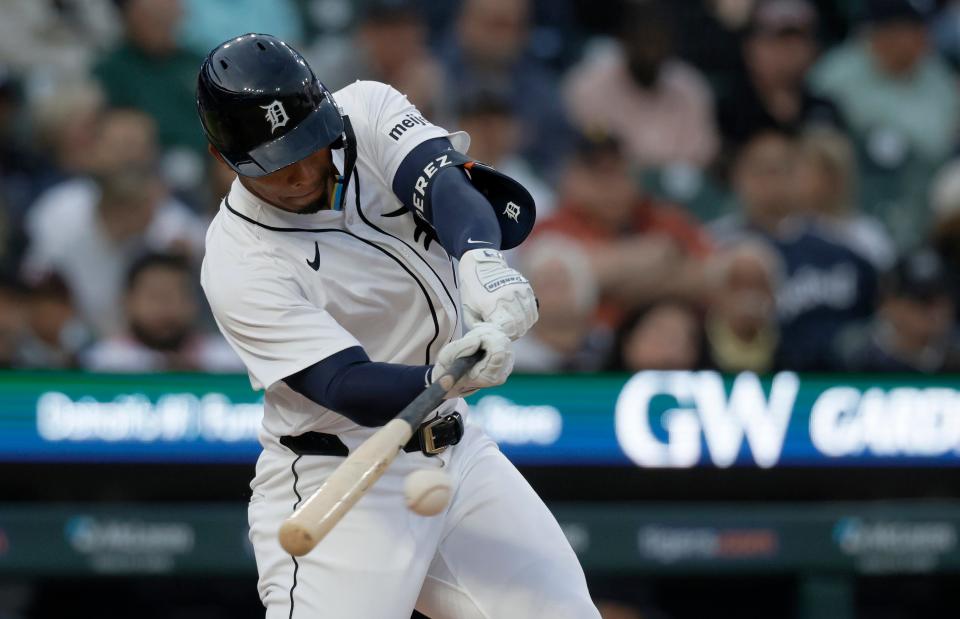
{"x":301,"y":187}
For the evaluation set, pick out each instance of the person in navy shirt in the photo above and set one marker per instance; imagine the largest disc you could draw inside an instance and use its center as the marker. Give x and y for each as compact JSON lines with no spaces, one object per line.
{"x":826,"y":286}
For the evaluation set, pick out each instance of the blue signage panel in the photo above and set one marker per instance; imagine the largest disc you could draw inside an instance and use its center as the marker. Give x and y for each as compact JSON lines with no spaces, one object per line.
{"x":651,"y":419}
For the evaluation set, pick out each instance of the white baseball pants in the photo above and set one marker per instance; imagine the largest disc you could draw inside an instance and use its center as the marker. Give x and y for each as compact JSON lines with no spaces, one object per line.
{"x":496,"y":552}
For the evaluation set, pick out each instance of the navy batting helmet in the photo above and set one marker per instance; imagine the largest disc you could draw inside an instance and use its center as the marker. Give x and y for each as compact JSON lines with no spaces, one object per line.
{"x":262,"y":107}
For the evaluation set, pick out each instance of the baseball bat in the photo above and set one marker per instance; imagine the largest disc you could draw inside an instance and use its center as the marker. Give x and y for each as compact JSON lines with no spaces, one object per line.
{"x":311,"y":522}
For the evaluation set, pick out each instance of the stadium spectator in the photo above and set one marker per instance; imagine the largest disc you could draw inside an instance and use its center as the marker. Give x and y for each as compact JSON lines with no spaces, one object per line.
{"x":151,"y":72}
{"x":123,"y":138}
{"x":23,"y":174}
{"x":708,"y":37}
{"x":161,"y":310}
{"x":65,"y":122}
{"x":667,"y":335}
{"x":389,"y":45}
{"x":119,"y":138}
{"x":914,"y":330}
{"x":208,"y":23}
{"x":11,"y":320}
{"x":660,"y":107}
{"x":91,"y":239}
{"x":489,"y":48}
{"x":741,"y":330}
{"x":639,"y":249}
{"x":762,"y":176}
{"x":826,"y":187}
{"x":494,"y":139}
{"x":52,"y":40}
{"x":945,"y":232}
{"x":565,"y":338}
{"x":779,"y":49}
{"x":902,"y":105}
{"x":887,"y":79}
{"x":53,"y":334}
{"x":826,"y":285}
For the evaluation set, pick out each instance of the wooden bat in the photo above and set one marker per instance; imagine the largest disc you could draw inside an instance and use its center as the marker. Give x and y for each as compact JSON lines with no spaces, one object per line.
{"x":311,"y":522}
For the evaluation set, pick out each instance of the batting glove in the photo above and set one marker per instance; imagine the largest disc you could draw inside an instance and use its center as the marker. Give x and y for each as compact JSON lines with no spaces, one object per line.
{"x":492,"y":370}
{"x":492,"y":291}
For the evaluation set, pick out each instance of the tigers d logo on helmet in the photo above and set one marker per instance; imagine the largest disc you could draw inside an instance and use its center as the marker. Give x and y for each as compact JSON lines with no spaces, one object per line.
{"x":276,"y":115}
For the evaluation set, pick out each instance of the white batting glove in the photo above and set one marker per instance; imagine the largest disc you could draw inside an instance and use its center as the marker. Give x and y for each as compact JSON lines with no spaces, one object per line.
{"x":492,"y":291}
{"x":492,"y":370}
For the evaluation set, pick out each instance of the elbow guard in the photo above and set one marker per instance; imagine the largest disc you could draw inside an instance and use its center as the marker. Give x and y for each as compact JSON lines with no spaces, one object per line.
{"x":512,"y":203}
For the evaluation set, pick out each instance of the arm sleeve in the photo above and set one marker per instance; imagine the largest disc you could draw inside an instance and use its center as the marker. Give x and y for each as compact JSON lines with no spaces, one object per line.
{"x":269,"y":321}
{"x":462,"y":218}
{"x":367,"y":393}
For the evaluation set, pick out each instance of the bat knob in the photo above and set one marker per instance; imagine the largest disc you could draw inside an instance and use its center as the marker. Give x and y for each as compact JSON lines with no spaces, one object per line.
{"x":296,"y":539}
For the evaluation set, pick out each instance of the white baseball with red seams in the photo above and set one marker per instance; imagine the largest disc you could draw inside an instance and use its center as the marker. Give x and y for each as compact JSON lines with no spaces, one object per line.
{"x":427,"y":491}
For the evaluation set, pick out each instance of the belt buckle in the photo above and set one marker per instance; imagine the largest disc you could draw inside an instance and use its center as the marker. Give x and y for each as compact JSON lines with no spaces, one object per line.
{"x":427,"y":439}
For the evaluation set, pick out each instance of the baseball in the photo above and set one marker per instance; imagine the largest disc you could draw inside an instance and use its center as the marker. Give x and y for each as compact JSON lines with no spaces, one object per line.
{"x":427,"y":491}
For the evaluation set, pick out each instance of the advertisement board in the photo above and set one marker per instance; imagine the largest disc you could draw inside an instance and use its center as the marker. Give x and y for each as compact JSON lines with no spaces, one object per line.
{"x":651,"y":419}
{"x":658,"y":539}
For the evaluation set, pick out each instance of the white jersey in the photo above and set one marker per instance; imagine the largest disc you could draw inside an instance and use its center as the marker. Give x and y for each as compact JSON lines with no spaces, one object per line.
{"x":288,"y":290}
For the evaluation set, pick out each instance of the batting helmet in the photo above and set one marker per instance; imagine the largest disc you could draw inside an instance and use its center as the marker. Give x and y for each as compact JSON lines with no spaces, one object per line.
{"x":262,"y":107}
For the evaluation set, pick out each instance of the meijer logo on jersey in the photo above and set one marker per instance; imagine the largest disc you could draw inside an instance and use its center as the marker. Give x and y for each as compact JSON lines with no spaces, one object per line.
{"x":682,"y":419}
{"x":409,"y":121}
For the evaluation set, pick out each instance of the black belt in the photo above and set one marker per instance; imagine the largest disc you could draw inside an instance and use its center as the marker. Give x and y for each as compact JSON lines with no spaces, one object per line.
{"x":433,"y":437}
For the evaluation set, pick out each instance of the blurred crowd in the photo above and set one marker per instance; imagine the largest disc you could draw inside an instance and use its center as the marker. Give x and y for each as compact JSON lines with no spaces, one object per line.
{"x":728,"y":184}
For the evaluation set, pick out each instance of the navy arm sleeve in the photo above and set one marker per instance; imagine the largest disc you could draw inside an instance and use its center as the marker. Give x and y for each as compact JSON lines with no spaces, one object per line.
{"x":462,"y":218}
{"x":366,"y":392}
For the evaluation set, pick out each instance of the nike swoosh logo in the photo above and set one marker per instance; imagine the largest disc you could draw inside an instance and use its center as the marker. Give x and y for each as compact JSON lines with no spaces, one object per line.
{"x":469,"y":240}
{"x":315,"y":263}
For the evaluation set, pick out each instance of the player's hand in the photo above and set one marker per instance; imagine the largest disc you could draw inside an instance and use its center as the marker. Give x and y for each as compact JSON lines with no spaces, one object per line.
{"x":492,"y":370}
{"x":492,"y":291}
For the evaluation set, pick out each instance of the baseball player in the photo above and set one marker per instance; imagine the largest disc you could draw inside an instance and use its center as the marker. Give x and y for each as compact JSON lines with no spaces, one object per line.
{"x":356,"y":245}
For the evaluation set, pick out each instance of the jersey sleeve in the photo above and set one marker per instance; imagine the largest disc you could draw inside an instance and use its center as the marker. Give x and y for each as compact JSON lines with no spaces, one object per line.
{"x":270,"y":323}
{"x":390,"y":126}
